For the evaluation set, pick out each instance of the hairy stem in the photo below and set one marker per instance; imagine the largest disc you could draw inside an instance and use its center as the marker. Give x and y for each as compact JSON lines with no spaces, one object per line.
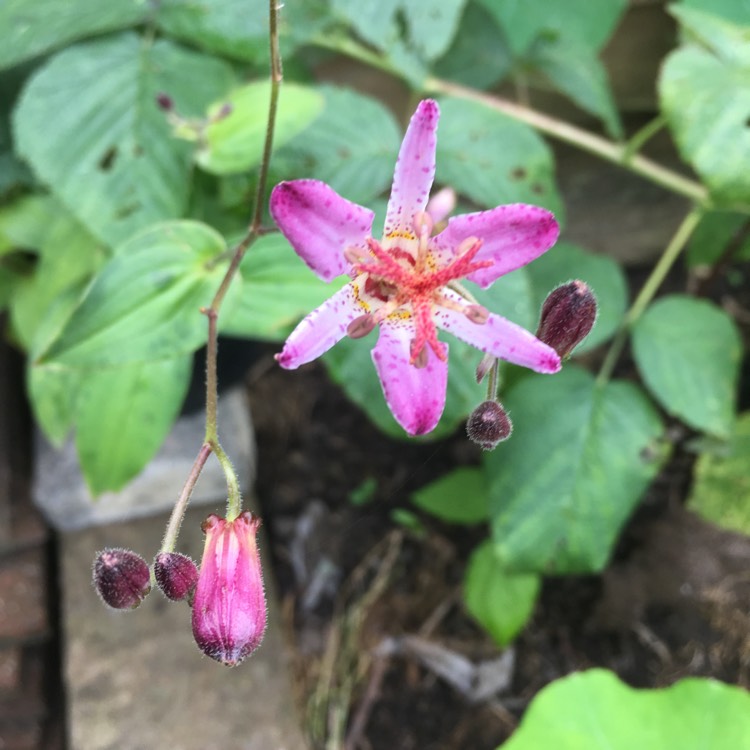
{"x":649,"y":289}
{"x":178,"y":512}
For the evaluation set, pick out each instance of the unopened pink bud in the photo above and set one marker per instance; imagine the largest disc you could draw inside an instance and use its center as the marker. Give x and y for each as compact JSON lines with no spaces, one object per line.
{"x":568,"y":315}
{"x":442,"y":204}
{"x":176,"y":575}
{"x":229,"y":606}
{"x":488,"y":425}
{"x":121,"y":578}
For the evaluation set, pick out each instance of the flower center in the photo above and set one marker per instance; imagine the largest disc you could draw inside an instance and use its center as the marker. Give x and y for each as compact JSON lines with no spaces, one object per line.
{"x":398,"y":279}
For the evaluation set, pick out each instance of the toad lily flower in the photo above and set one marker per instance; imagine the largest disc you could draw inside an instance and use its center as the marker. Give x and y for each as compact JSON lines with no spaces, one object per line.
{"x":404,"y":283}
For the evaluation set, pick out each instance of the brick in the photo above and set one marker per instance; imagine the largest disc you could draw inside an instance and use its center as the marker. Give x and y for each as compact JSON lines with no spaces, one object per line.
{"x":23,"y":610}
{"x":10,"y":669}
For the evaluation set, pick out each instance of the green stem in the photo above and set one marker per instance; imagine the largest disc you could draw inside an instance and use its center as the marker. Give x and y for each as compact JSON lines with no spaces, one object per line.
{"x":211,"y":441}
{"x":649,"y":289}
{"x":178,"y":512}
{"x":617,"y":153}
{"x":640,"y":138}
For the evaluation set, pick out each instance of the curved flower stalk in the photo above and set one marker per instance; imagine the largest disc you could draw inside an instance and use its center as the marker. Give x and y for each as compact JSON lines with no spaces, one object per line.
{"x":403,"y":284}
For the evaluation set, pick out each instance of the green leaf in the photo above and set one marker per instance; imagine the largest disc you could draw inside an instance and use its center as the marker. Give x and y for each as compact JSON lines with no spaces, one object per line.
{"x":480,"y":55}
{"x":593,"y":710}
{"x":373,"y":20}
{"x":231,"y":28}
{"x":53,"y":392}
{"x":123,"y":415}
{"x":432,"y":24}
{"x":565,"y":262}
{"x":278,"y":290}
{"x":234,"y":143}
{"x":32,"y":27}
{"x":110,"y":157}
{"x":576,"y":71}
{"x":145,"y":303}
{"x":688,"y":353}
{"x":352,"y":146}
{"x":731,"y":10}
{"x":492,"y":159}
{"x":578,"y":461}
{"x":712,"y":237}
{"x":500,"y":601}
{"x":705,"y":97}
{"x":458,"y":497}
{"x":721,"y":483}
{"x":68,"y":256}
{"x":581,"y":21}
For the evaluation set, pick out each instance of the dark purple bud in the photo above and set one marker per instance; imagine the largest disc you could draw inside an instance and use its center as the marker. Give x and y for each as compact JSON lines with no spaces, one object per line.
{"x":488,"y":425}
{"x":121,"y":578}
{"x":225,"y":111}
{"x":568,"y":314}
{"x":176,"y":575}
{"x":165,"y":102}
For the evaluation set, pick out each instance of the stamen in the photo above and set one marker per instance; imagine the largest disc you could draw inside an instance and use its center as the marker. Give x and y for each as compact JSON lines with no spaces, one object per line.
{"x":423,"y":227}
{"x":354,"y":255}
{"x":361,"y":326}
{"x":477,"y":314}
{"x":418,"y":358}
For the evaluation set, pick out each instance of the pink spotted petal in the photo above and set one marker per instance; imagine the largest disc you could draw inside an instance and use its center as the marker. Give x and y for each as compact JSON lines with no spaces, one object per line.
{"x":415,"y":396}
{"x":500,"y":338}
{"x":321,"y":329}
{"x":320,"y":224}
{"x":415,"y":171}
{"x":512,"y":236}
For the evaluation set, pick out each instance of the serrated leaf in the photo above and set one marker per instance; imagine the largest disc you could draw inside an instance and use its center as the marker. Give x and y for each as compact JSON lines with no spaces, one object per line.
{"x":123,"y":415}
{"x":111,"y":158}
{"x":234,"y":143}
{"x":688,"y":353}
{"x":145,"y":303}
{"x":565,"y":262}
{"x":53,"y":391}
{"x":576,"y":71}
{"x":704,"y":94}
{"x":500,"y":601}
{"x":68,"y":256}
{"x":352,"y":145}
{"x":432,"y":24}
{"x":32,"y":27}
{"x":721,"y":487}
{"x":712,"y":236}
{"x":581,"y":21}
{"x":479,"y":55}
{"x":458,"y":497}
{"x":232,"y":28}
{"x":593,"y":710}
{"x":578,"y":461}
{"x":492,"y":159}
{"x":277,"y":291}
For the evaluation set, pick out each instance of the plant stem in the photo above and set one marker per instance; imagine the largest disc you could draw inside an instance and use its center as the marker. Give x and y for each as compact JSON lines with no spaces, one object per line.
{"x":617,"y":153}
{"x":649,"y":289}
{"x":642,"y":136}
{"x":178,"y":512}
{"x":211,"y":441}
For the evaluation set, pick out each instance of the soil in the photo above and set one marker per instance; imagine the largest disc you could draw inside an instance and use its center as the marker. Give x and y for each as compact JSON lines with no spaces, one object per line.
{"x":372,"y":593}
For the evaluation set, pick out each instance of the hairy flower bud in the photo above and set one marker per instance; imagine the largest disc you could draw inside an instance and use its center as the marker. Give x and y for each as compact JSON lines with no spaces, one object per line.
{"x":568,"y":314}
{"x":121,"y":578}
{"x":164,"y":101}
{"x":488,"y":425}
{"x":176,"y":575}
{"x":229,"y":606}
